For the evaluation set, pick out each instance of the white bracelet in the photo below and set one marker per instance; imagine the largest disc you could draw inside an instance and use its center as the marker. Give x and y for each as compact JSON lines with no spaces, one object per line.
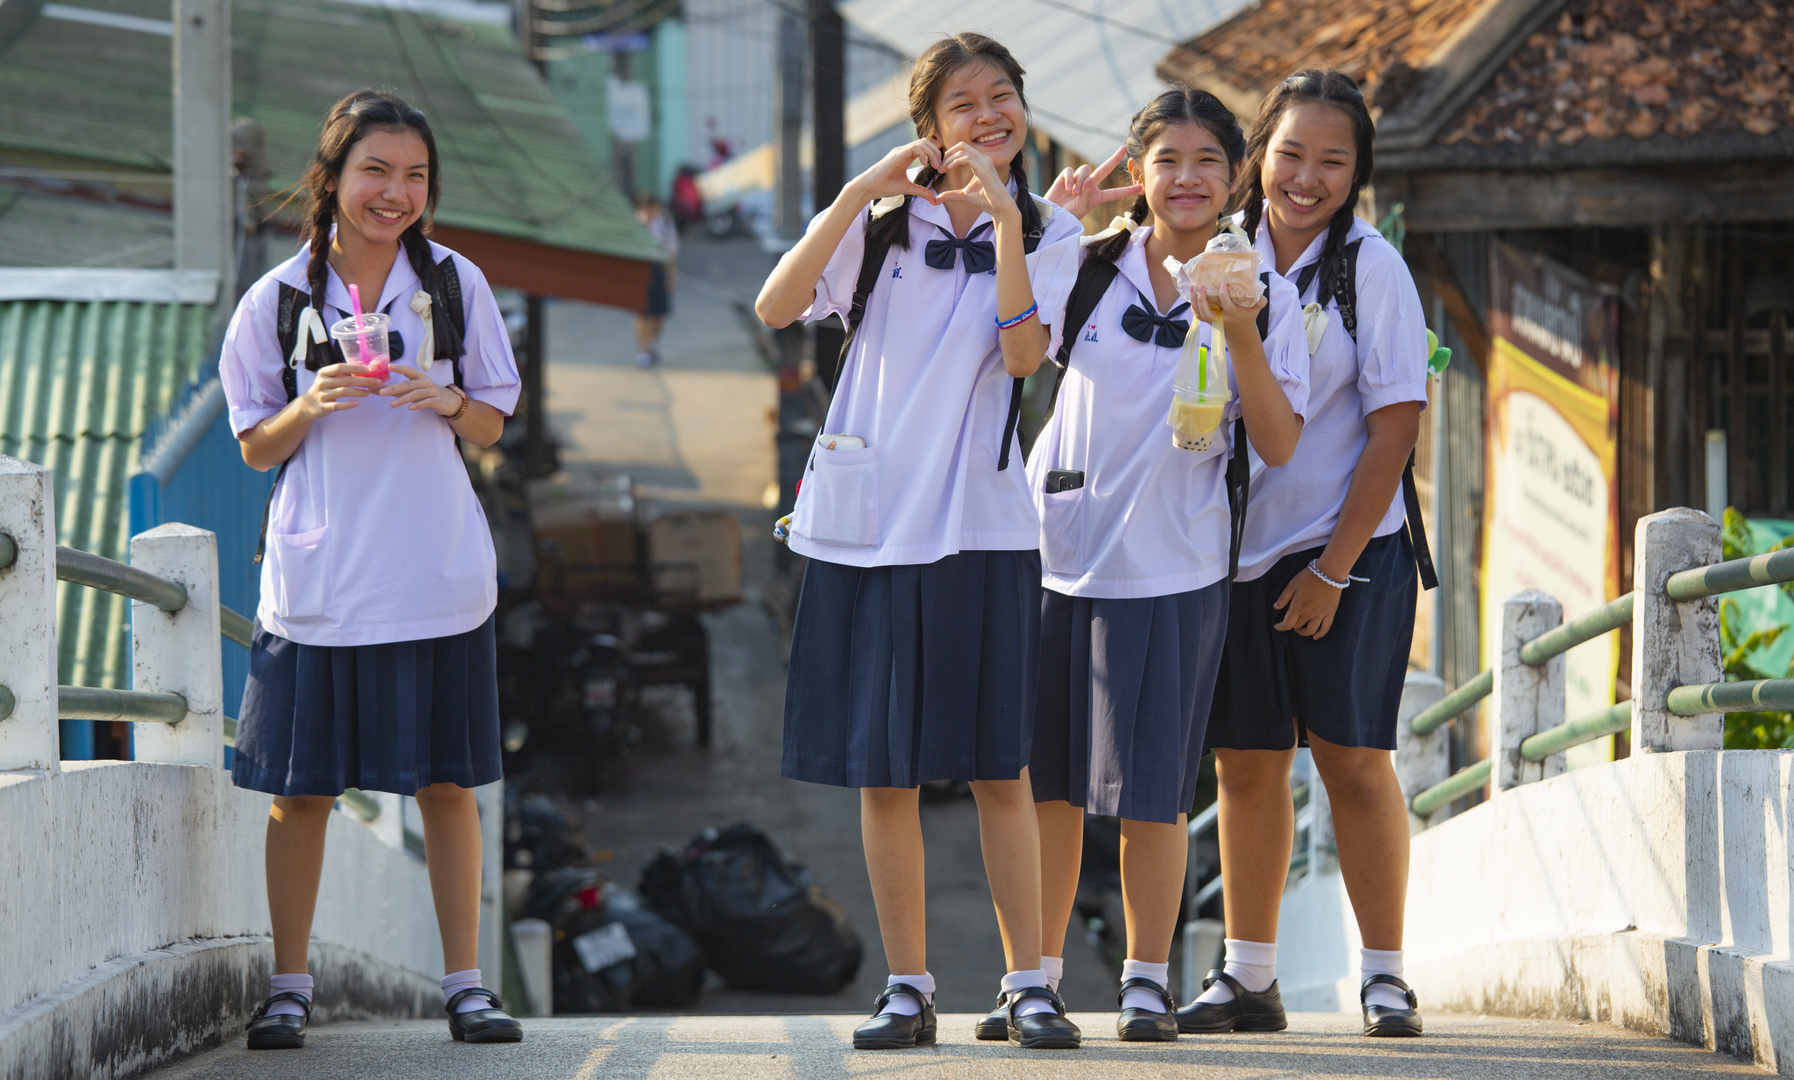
{"x":1314,"y":567}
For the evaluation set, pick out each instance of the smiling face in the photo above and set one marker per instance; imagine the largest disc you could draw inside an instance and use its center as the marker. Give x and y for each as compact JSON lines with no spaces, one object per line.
{"x":980,"y":105}
{"x":1187,"y":177}
{"x":1309,"y":166}
{"x":384,"y":186}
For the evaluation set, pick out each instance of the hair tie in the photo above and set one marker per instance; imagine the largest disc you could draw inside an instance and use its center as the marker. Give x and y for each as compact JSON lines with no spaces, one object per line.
{"x":426,"y":352}
{"x":312,"y":326}
{"x":881,"y":207}
{"x":1120,"y":222}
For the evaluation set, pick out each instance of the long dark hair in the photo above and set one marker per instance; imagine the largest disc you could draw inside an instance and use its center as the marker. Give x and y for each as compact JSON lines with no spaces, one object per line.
{"x":1179,"y":105}
{"x":1329,"y":86}
{"x":927,"y":80}
{"x":348,"y":122}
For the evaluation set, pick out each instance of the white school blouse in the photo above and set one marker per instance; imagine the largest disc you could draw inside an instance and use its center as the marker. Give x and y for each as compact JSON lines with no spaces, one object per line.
{"x":1150,"y":520}
{"x":1297,"y":505}
{"x":924,"y":385}
{"x":376,"y":535}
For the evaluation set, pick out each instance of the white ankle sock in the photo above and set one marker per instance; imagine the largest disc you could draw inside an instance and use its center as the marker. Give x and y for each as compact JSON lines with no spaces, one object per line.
{"x":456,"y":981}
{"x":1054,"y":966}
{"x":300,"y":984}
{"x":1021,"y":980}
{"x":1145,"y":999}
{"x":1378,"y":962}
{"x":1253,"y":963}
{"x":903,"y":1004}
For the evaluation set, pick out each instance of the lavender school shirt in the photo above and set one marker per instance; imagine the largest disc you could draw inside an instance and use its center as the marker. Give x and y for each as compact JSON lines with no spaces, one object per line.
{"x":1150,"y":520}
{"x":924,"y":385}
{"x":375,"y":535}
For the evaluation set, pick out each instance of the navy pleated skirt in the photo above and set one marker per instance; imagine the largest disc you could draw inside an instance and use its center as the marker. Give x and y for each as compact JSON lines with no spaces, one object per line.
{"x":1124,"y":699}
{"x":904,"y":674}
{"x":396,"y":717}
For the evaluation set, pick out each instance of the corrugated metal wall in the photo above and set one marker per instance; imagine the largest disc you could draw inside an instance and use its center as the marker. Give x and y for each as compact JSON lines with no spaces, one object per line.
{"x":1458,"y":548}
{"x":79,"y":385}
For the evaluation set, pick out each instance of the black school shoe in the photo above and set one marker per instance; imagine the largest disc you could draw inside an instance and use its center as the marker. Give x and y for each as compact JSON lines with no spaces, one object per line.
{"x":493,"y":1025}
{"x":895,"y":1031}
{"x":1144,"y":1025}
{"x":1246,"y":1012}
{"x":1042,"y":1030}
{"x":1384,"y":1021}
{"x":282,"y":1031}
{"x":995,"y":1025}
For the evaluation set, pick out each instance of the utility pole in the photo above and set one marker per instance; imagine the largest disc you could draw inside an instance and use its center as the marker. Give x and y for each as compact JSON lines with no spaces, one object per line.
{"x":204,"y":188}
{"x":828,"y":88}
{"x":796,"y":431}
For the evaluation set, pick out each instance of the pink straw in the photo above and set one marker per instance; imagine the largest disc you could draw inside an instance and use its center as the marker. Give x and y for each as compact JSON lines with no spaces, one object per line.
{"x":361,"y":337}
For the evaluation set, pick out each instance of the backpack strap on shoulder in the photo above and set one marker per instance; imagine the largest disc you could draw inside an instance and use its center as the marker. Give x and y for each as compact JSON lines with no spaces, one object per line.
{"x":1017,"y":387}
{"x":448,"y":305}
{"x":872,"y":262}
{"x":1347,"y":294}
{"x":1094,"y":279}
{"x":1238,"y":474}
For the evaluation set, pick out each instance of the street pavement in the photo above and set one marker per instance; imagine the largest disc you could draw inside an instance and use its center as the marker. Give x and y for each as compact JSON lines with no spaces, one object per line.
{"x":799,"y":1047}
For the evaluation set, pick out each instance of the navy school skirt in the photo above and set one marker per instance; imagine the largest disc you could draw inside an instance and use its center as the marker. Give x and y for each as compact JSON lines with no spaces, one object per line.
{"x":904,"y":674}
{"x":1124,"y":700}
{"x":395,"y":717}
{"x":1346,"y":687}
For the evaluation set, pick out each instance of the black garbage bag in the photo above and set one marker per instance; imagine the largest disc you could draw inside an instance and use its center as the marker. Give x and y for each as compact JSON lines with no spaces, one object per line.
{"x":761,"y":922}
{"x":611,"y":953}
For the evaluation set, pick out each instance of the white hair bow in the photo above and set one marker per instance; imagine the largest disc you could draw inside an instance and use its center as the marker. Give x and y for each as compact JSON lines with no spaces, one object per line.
{"x":1121,"y":222}
{"x":309,"y":324}
{"x":881,"y":207}
{"x":426,"y":352}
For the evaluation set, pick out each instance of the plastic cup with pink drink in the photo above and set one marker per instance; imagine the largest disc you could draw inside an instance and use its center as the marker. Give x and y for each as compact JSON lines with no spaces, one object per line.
{"x":366,"y":343}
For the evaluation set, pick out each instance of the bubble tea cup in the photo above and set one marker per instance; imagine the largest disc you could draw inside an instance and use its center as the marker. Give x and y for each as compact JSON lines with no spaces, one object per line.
{"x":366,"y":344}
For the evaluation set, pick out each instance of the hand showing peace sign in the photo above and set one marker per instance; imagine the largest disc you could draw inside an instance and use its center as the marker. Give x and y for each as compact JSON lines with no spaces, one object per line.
{"x":1080,"y":190}
{"x":985,"y":191}
{"x":891,"y":175}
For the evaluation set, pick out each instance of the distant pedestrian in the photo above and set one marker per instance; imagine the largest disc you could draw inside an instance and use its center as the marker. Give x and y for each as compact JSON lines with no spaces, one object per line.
{"x":374,"y":662}
{"x":1323,"y":608}
{"x":662,"y":279}
{"x":917,"y":630}
{"x":1138,"y":531}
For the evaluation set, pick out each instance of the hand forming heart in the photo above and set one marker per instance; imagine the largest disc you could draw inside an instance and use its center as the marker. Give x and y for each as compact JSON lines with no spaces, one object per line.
{"x":984,"y":190}
{"x":891,"y":175}
{"x":1080,"y":190}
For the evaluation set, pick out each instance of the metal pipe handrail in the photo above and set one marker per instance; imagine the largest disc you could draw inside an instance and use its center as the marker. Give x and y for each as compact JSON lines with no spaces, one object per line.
{"x":1583,"y":729}
{"x":234,"y":627}
{"x":1440,"y":712}
{"x":364,"y":805}
{"x":1727,"y":697}
{"x":7,"y":702}
{"x":137,"y":706}
{"x":99,"y":572}
{"x":1584,"y":628}
{"x":1704,"y":581}
{"x":9,"y":551}
{"x":1458,"y":784}
{"x":1205,"y":821}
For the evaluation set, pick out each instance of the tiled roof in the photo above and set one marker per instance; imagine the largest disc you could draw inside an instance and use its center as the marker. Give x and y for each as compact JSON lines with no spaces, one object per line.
{"x":41,"y":229}
{"x":1638,"y":68}
{"x":79,"y":383}
{"x":1374,"y":41}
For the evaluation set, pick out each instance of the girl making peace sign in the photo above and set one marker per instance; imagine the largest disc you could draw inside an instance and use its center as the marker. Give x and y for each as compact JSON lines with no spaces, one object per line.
{"x":373,"y":663}
{"x":913,"y":652}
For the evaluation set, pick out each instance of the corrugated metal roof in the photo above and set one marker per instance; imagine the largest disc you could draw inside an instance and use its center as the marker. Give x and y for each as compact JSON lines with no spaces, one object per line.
{"x":1090,"y":63}
{"x":79,"y":383}
{"x":513,"y":163}
{"x":46,"y":230}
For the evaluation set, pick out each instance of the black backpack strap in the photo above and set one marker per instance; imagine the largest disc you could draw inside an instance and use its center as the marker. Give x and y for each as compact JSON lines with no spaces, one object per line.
{"x":448,"y":304}
{"x":1347,"y":293}
{"x":1017,"y":387}
{"x":1423,"y":555}
{"x":872,"y":263}
{"x":1264,"y":313}
{"x":1094,"y":278}
{"x":1238,"y":476}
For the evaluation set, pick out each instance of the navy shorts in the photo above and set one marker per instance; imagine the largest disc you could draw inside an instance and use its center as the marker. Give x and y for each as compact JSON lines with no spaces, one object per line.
{"x":1276,"y":686}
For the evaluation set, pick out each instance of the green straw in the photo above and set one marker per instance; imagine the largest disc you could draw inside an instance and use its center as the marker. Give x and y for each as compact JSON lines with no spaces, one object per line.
{"x":1202,"y":369}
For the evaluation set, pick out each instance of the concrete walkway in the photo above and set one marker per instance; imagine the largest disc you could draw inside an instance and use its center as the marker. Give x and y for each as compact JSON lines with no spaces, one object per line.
{"x":790,"y":1047}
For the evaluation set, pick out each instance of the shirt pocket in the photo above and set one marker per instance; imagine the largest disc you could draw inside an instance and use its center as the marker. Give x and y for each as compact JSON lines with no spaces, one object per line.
{"x":304,"y":587}
{"x":840,"y":498}
{"x":1062,"y":531}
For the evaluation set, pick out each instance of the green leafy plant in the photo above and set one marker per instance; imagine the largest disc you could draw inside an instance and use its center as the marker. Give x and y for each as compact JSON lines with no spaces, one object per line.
{"x":1750,"y":730}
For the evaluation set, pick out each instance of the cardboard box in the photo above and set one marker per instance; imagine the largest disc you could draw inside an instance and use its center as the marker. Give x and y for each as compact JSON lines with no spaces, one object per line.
{"x":694,"y":557}
{"x":586,"y":533}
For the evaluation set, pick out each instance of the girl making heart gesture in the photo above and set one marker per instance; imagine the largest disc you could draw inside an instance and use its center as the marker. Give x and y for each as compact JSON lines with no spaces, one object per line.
{"x":913,"y":652}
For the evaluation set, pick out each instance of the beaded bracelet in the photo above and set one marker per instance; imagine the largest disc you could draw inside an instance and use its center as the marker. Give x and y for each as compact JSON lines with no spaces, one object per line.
{"x":1314,"y":567}
{"x":1005,"y":324}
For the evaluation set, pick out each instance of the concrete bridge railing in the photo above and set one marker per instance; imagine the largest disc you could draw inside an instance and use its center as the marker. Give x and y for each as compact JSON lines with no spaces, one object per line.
{"x":132,"y":893}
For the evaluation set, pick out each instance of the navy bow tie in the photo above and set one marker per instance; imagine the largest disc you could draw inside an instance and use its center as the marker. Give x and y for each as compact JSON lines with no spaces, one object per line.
{"x":1139,"y":321}
{"x":980,"y":255}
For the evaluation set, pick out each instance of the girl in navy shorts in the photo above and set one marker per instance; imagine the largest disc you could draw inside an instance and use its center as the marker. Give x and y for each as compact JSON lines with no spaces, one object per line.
{"x":1136,"y":536}
{"x":1323,"y":608}
{"x":917,"y":630}
{"x":373,"y":664}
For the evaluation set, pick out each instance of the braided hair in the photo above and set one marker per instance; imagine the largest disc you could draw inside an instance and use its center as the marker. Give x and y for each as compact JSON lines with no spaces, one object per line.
{"x":1179,"y":105}
{"x":927,"y":81}
{"x":348,"y":122}
{"x":1329,"y":86}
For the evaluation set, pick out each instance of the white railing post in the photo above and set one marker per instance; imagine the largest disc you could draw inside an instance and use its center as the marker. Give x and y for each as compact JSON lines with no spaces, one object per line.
{"x":29,"y":738}
{"x":1528,"y":699}
{"x":1421,"y":760}
{"x":1673,"y":644}
{"x":180,"y":652}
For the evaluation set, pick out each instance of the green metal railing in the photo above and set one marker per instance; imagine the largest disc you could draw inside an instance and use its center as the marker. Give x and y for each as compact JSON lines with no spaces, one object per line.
{"x":1696,"y":584}
{"x":137,"y":706}
{"x":99,"y":572}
